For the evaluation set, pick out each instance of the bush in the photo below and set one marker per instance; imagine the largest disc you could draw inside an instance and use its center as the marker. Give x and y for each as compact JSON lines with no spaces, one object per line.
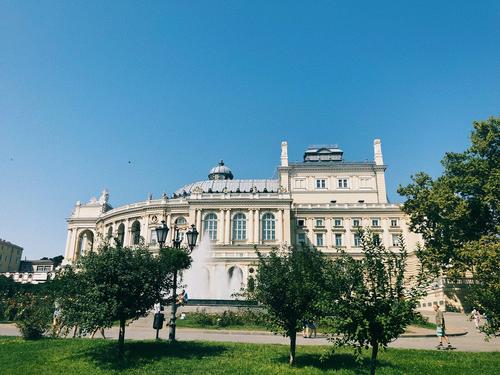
{"x":34,"y":315}
{"x":228,"y":318}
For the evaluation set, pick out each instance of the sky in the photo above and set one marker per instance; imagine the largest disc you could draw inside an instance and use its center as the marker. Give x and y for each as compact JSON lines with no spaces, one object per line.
{"x":144,"y":97}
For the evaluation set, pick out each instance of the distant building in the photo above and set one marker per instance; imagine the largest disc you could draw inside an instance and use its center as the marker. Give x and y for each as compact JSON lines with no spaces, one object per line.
{"x":33,"y":271}
{"x":10,"y":256}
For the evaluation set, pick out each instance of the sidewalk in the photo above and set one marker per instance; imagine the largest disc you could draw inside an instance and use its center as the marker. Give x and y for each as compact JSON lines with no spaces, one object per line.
{"x":472,"y":341}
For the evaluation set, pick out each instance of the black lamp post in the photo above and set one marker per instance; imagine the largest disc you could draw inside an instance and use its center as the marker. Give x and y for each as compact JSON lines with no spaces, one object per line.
{"x":191,"y":236}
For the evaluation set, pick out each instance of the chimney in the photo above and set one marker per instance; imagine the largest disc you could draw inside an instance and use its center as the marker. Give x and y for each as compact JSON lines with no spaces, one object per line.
{"x":284,"y":154}
{"x":377,"y":152}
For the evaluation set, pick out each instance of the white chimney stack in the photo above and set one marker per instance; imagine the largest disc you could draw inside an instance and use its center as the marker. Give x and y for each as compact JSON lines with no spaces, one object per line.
{"x":377,"y":151}
{"x":284,"y":154}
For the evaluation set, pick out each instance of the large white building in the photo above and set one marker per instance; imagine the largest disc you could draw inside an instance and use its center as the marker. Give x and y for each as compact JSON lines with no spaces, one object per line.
{"x":321,"y":200}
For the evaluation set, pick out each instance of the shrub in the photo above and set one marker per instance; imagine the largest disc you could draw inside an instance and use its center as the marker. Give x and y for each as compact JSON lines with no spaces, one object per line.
{"x":34,"y":315}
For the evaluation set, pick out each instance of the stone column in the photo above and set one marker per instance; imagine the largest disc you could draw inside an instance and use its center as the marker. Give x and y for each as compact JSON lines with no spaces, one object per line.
{"x":256,"y":233}
{"x":251,"y":223}
{"x":329,"y":234}
{"x":227,"y":230}
{"x":286,"y":226}
{"x":198,"y":222}
{"x":67,"y":253}
{"x":279,"y":227}
{"x":220,"y":227}
{"x":168,"y":221}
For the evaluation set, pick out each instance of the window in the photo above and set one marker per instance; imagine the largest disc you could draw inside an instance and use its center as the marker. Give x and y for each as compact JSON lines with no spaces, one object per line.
{"x":301,"y":222}
{"x":301,"y":238}
{"x":153,"y":237}
{"x":319,"y":239}
{"x":356,"y":222}
{"x":394,"y":223}
{"x":121,"y":234}
{"x":210,"y":226}
{"x":300,"y":183}
{"x":342,"y":183}
{"x":268,"y":227}
{"x":136,"y":233}
{"x":376,"y":239}
{"x":337,"y":222}
{"x":181,"y":220}
{"x":338,"y":239}
{"x":395,"y":240}
{"x":320,"y":223}
{"x":321,"y":183}
{"x":357,"y":240}
{"x":375,"y":222}
{"x":239,"y":227}
{"x":110,"y":233}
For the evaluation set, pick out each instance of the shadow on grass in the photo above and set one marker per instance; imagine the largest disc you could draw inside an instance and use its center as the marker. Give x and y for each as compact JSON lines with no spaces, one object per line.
{"x":141,"y":353}
{"x":336,"y":361}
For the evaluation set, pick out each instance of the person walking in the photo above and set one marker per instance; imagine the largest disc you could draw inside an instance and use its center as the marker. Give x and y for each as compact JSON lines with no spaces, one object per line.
{"x":441,"y":330}
{"x":476,"y":316}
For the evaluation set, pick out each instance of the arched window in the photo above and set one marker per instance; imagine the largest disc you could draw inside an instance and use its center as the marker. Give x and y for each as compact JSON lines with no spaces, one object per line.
{"x":121,"y":234}
{"x":110,"y":233}
{"x":210,"y":226}
{"x":239,"y":227}
{"x":268,"y":227}
{"x":136,"y":233}
{"x":86,"y":242}
{"x":181,"y":220}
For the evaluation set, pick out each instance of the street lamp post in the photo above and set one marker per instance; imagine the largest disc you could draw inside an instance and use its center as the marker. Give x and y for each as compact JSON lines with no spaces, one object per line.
{"x":191,"y":236}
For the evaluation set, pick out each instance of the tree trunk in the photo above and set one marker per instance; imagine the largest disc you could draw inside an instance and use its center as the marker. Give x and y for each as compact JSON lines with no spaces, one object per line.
{"x":121,"y":337}
{"x":293,"y":342}
{"x":373,"y":361}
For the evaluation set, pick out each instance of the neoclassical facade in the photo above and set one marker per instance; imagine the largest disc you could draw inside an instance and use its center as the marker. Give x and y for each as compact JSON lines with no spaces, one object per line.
{"x":321,"y":200}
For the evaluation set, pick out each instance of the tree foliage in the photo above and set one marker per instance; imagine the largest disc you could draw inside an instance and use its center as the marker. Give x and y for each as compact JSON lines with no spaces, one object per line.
{"x":288,"y":283}
{"x":457,"y":213}
{"x":117,"y":284}
{"x":369,"y":302}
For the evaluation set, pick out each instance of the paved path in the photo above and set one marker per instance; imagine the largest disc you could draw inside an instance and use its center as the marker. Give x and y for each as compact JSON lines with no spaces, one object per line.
{"x":141,"y":330}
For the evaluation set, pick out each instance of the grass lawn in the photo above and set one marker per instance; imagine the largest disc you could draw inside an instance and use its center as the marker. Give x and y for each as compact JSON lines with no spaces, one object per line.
{"x":84,"y":356}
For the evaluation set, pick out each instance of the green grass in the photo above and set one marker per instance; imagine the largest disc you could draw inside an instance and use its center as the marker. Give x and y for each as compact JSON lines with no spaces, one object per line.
{"x":83,"y":356}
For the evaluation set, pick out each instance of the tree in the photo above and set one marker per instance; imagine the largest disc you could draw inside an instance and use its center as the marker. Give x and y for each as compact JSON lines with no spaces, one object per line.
{"x":457,"y":213}
{"x":118,"y":284}
{"x":288,"y":284}
{"x":369,"y":302}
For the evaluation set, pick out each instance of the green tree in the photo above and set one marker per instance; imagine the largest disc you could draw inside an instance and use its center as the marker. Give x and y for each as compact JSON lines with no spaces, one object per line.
{"x":457,"y":212}
{"x":369,"y":302}
{"x":119,"y":284}
{"x":288,"y":284}
{"x":8,"y":289}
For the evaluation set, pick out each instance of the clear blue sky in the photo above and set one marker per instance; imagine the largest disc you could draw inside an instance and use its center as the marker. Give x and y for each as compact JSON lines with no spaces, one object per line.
{"x":175,"y":86}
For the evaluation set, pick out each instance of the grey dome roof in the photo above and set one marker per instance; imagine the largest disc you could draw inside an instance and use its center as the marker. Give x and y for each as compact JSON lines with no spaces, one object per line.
{"x":231,"y":186}
{"x":220,"y":172}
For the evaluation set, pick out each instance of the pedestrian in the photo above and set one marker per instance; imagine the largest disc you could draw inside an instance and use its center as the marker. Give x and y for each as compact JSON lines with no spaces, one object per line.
{"x":476,"y":316}
{"x":305,"y":328}
{"x":440,"y":328}
{"x":312,"y":329}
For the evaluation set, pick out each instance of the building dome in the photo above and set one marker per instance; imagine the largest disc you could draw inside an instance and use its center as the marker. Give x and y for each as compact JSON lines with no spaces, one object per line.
{"x":220,"y":172}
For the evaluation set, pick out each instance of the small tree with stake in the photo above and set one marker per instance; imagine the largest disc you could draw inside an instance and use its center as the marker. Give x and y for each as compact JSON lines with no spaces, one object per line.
{"x":288,"y":285}
{"x":369,"y":302}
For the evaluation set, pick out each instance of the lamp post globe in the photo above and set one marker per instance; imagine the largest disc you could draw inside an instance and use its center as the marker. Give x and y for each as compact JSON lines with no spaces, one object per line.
{"x":161,"y":233}
{"x":192,"y":236}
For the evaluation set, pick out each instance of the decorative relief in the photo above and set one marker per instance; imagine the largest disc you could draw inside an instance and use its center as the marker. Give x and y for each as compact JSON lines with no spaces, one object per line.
{"x":154,"y":218}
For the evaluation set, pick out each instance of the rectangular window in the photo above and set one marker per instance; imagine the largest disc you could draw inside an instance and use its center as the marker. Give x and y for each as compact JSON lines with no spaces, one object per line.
{"x":301,"y":238}
{"x":320,"y":223}
{"x":342,"y":183}
{"x":356,"y":222}
{"x":321,"y":183}
{"x":395,"y":240}
{"x":301,"y":222}
{"x":357,"y":240}
{"x":319,"y":239}
{"x":337,"y":222}
{"x":300,"y":183}
{"x":375,"y":222}
{"x":394,"y":223}
{"x":338,"y":239}
{"x":153,"y":238}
